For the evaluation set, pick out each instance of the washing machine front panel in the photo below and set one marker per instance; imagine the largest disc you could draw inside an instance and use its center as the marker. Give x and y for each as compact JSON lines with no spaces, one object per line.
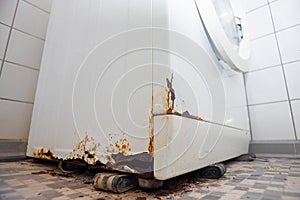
{"x":226,"y":24}
{"x":94,"y":91}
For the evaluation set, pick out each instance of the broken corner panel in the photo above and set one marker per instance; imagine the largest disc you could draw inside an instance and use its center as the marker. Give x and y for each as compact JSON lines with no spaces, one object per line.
{"x":183,"y":145}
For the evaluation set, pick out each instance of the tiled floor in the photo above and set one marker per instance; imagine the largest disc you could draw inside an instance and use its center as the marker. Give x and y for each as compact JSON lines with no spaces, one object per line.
{"x":261,"y":179}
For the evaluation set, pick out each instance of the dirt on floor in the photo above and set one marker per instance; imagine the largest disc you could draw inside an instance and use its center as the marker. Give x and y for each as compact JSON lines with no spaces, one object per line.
{"x":274,"y":178}
{"x":174,"y":187}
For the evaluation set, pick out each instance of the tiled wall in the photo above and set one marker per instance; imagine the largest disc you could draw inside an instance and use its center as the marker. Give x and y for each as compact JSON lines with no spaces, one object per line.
{"x":23,"y":26}
{"x":273,"y":83}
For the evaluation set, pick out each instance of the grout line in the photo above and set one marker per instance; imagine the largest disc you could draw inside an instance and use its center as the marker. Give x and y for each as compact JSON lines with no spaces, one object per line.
{"x":15,"y":100}
{"x":36,"y":6}
{"x":36,"y":37}
{"x":4,"y":24}
{"x":278,"y":31}
{"x":262,"y":36}
{"x":20,"y":65}
{"x":250,"y":11}
{"x":295,"y":99}
{"x":286,"y":28}
{"x":9,"y":35}
{"x":284,"y":75}
{"x":269,"y":102}
{"x":248,"y":110}
{"x":272,"y":1}
{"x":275,"y":31}
{"x":268,"y":67}
{"x":263,"y":68}
{"x":290,"y":62}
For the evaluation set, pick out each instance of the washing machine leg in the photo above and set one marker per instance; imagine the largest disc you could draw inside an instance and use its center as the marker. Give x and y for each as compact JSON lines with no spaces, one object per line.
{"x":246,"y":157}
{"x":150,"y":183}
{"x":214,"y":171}
{"x":116,"y":183}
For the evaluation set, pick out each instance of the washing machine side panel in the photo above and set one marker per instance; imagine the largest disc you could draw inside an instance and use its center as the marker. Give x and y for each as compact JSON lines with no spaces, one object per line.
{"x":193,"y":100}
{"x":95,"y":85}
{"x":236,"y":105}
{"x":201,"y":85}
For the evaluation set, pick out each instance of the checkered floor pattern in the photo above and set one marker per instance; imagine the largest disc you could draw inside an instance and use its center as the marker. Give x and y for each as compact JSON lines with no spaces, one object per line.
{"x":272,"y":178}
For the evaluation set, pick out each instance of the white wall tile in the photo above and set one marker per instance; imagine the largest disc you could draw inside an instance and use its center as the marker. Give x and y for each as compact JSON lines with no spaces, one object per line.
{"x":289,"y":44}
{"x":270,"y":1}
{"x":44,"y":4}
{"x":271,"y":122}
{"x":265,"y":86}
{"x":292,"y":72}
{"x":31,"y":20}
{"x":264,"y":53}
{"x":7,"y":11}
{"x":260,"y":22}
{"x":285,"y":13}
{"x":296,"y":113}
{"x":15,"y":119}
{"x":253,"y":4}
{"x":18,"y":82}
{"x":4,"y":31}
{"x":25,"y":49}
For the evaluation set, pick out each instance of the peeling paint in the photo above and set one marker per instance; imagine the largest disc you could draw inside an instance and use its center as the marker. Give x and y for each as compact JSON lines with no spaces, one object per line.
{"x":170,"y":94}
{"x":139,"y":163}
{"x":185,"y":114}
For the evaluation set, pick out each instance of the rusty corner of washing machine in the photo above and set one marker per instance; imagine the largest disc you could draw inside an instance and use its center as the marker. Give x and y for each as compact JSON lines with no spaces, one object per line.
{"x":117,"y":154}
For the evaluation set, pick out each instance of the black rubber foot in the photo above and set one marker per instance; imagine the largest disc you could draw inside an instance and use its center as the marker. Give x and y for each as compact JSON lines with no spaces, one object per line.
{"x":116,"y":183}
{"x":213,"y":171}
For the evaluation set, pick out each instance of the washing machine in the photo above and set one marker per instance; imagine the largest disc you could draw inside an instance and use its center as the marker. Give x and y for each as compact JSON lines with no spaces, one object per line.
{"x":149,"y":87}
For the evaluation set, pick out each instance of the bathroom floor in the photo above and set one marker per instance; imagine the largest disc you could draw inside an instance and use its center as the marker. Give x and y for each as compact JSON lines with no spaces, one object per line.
{"x":264,"y":178}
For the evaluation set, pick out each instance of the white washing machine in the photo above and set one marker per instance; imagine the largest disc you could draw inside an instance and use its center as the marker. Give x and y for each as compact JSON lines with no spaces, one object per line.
{"x":143,"y":86}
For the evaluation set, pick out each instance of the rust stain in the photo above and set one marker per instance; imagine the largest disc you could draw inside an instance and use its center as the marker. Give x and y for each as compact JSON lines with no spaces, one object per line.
{"x":86,"y":150}
{"x":121,"y":146}
{"x":117,"y":156}
{"x":151,"y":130}
{"x":168,"y":96}
{"x":162,"y":97}
{"x":44,"y":154}
{"x":151,"y":136}
{"x":169,"y":104}
{"x":151,"y":145}
{"x":117,"y":144}
{"x":188,"y":115}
